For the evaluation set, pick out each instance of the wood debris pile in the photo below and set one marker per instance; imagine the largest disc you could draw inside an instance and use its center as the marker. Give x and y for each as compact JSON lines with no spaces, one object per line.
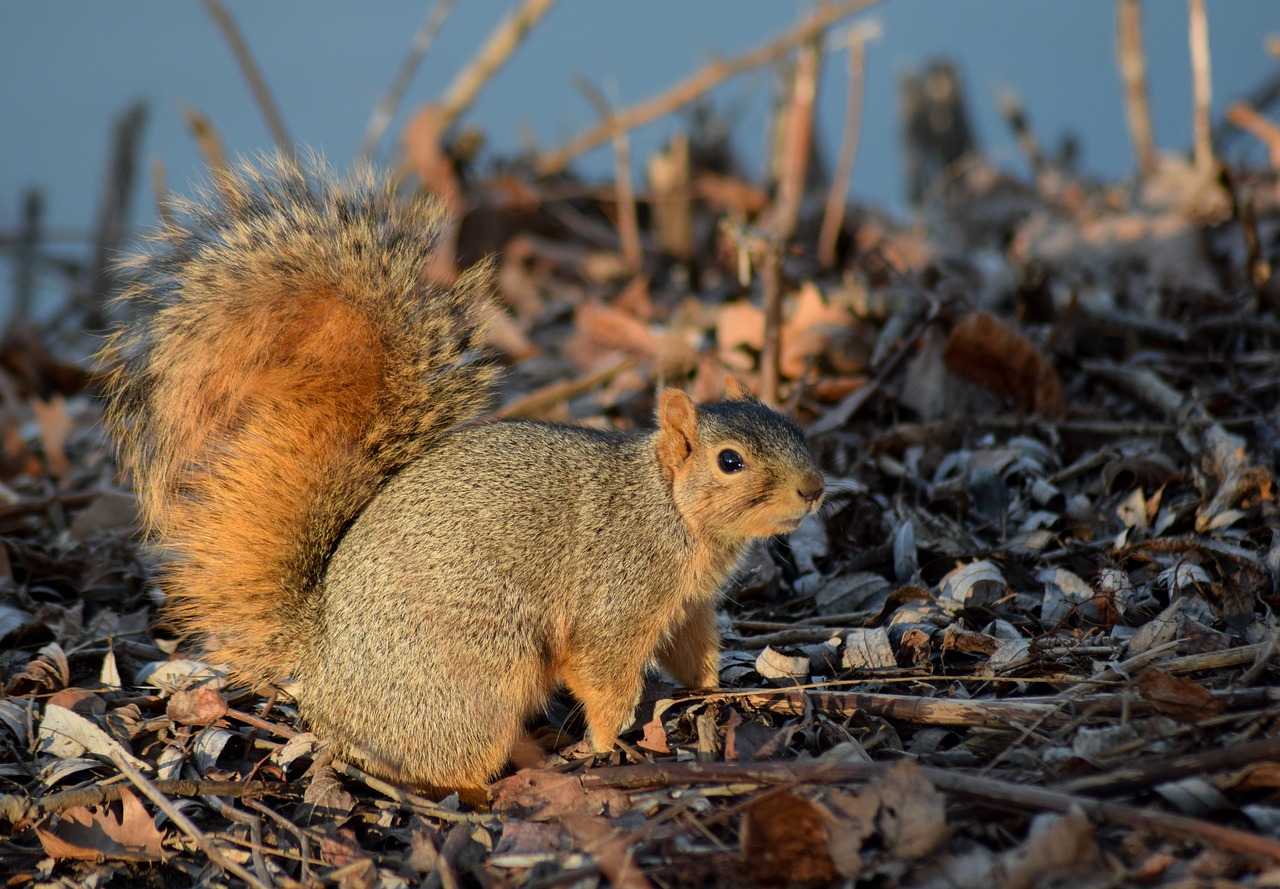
{"x":1031,"y":637}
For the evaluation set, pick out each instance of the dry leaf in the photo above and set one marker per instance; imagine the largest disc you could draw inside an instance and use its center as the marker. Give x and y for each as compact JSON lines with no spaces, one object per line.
{"x":978,"y":583}
{"x":542,"y":795}
{"x":47,"y":671}
{"x":66,"y":734}
{"x":600,"y":329}
{"x":1179,"y":698}
{"x":807,"y":331}
{"x":425,"y":154}
{"x":424,"y":849}
{"x":810,"y":327}
{"x":55,"y":426}
{"x":774,"y":664}
{"x":912,"y":818}
{"x":96,"y":834}
{"x":868,"y":648}
{"x":1059,"y":846}
{"x":984,"y":349}
{"x":199,"y":706}
{"x":609,"y":847}
{"x":111,"y":512}
{"x":528,"y":843}
{"x":326,"y":793}
{"x":901,"y":806}
{"x":784,"y":837}
{"x":341,"y":848}
{"x":739,"y":325}
{"x":655,"y":735}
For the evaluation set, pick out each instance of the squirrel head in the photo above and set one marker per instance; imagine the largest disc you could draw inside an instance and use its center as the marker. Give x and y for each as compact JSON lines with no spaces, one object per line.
{"x":737,"y":469}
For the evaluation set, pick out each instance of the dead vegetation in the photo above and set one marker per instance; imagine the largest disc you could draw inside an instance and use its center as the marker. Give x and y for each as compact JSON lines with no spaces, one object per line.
{"x":1031,"y":641}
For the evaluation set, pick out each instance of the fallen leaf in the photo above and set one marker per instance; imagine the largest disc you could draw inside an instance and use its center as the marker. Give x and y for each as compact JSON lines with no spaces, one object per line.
{"x":984,"y":349}
{"x":868,"y":648}
{"x":978,"y":583}
{"x":542,"y":795}
{"x":739,"y":327}
{"x":341,"y":848}
{"x":66,"y":734}
{"x":326,"y":793}
{"x":199,"y":706}
{"x":789,"y":665}
{"x":811,"y":326}
{"x":1059,"y":847}
{"x":47,"y":671}
{"x":655,"y":735}
{"x":527,"y":843}
{"x":1179,"y":698}
{"x":912,"y":819}
{"x":96,"y":834}
{"x":55,"y":426}
{"x":424,"y":849}
{"x":785,"y":837}
{"x":610,"y":847}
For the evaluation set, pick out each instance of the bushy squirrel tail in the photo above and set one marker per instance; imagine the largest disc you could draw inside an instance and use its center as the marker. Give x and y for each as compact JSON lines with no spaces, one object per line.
{"x":288,"y":356}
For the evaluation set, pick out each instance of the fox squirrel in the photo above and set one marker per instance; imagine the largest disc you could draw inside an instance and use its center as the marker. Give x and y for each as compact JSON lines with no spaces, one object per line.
{"x":298,"y":407}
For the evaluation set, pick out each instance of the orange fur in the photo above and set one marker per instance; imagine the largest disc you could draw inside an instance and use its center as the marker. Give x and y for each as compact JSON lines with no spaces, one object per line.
{"x":262,"y":402}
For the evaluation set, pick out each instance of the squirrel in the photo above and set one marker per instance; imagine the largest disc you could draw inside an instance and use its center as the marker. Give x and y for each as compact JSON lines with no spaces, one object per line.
{"x":301,"y":414}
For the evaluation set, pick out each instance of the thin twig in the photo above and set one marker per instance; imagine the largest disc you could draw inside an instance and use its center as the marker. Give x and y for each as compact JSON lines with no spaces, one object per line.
{"x":797,"y":138}
{"x":1202,"y":90}
{"x":1246,"y":118}
{"x":215,"y":156}
{"x":990,"y":790}
{"x":493,"y":55}
{"x":771,"y":349}
{"x":164,"y":201}
{"x":14,"y":808}
{"x":843,"y":412}
{"x":1172,"y":768}
{"x":254,"y":823}
{"x":264,"y":724}
{"x":628,"y":224}
{"x":419,"y":804}
{"x":1255,"y":257}
{"x":386,"y":107}
{"x":1012,"y":110}
{"x":672,"y":193}
{"x":113,"y":215}
{"x":699,"y":83}
{"x":252,"y":75}
{"x":538,"y":403}
{"x":1012,"y":713}
{"x":182,"y":822}
{"x":838,"y":196}
{"x":289,"y":826}
{"x":762,"y":251}
{"x":25,"y":257}
{"x":1132,"y":60}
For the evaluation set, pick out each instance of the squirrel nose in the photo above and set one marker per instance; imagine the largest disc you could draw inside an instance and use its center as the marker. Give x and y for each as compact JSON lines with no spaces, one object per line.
{"x":812,"y":495}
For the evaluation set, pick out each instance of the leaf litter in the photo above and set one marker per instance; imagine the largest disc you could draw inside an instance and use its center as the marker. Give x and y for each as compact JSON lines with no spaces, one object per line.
{"x":1030,"y":640}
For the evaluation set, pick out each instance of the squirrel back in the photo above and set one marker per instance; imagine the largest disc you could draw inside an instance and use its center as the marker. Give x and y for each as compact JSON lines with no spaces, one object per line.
{"x":289,"y":357}
{"x":295,"y":411}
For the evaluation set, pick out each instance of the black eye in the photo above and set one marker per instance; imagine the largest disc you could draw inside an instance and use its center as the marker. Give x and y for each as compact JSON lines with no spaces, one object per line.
{"x":730,"y":461}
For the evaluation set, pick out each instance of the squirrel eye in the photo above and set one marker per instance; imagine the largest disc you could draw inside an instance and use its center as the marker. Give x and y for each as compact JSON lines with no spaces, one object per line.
{"x":731,"y":461}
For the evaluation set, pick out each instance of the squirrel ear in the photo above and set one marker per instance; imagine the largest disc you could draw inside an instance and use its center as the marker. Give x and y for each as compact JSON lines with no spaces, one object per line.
{"x":735,"y":390}
{"x":677,"y":428}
